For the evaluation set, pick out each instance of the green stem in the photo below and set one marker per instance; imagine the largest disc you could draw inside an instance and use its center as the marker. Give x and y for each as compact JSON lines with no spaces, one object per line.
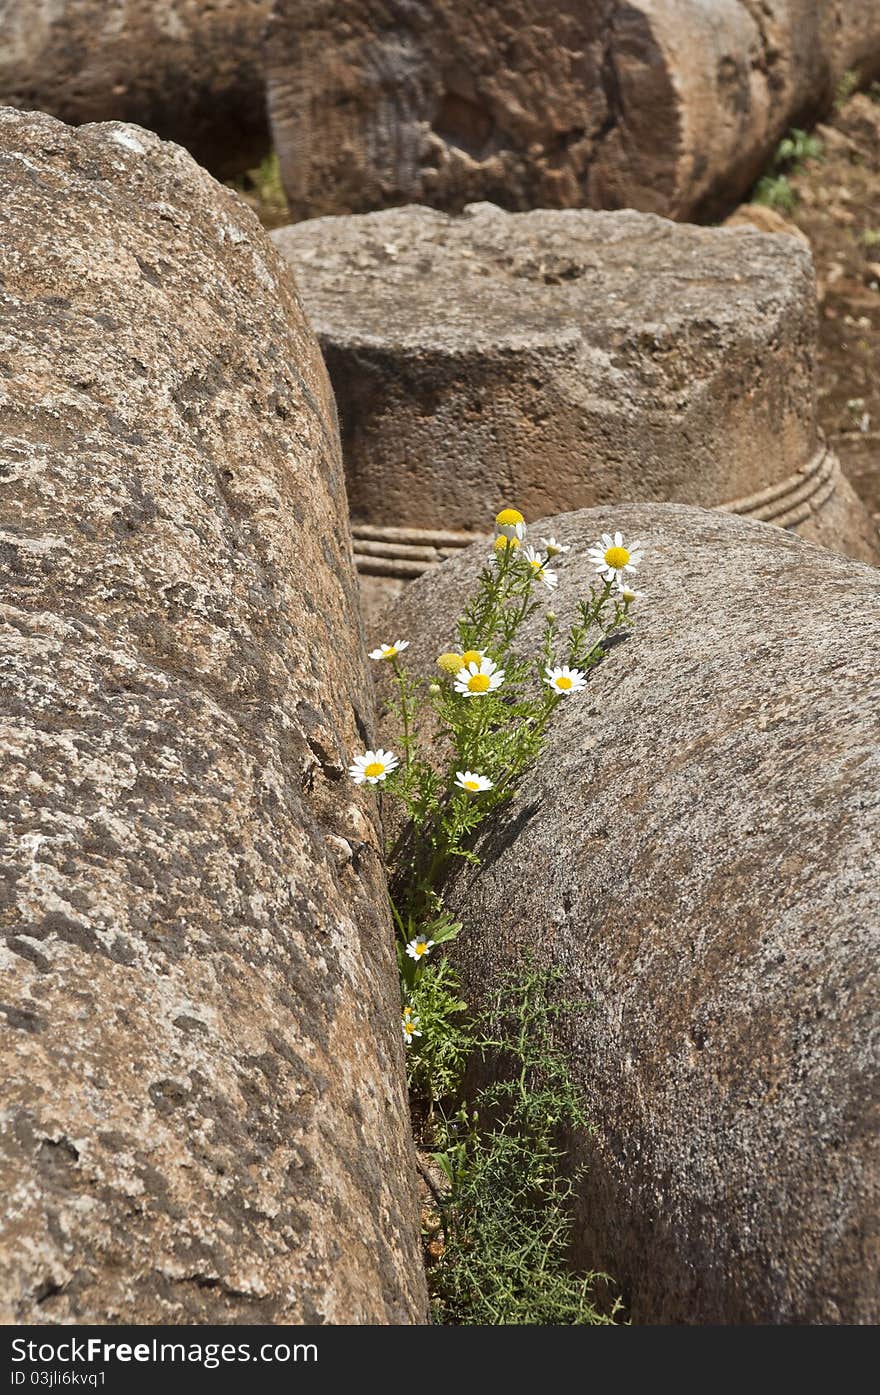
{"x":404,"y":713}
{"x":474,"y":732}
{"x":437,"y":863}
{"x":396,"y":913}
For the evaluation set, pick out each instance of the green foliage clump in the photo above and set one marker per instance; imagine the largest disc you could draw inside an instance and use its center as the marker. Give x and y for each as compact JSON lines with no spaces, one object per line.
{"x":261,"y":187}
{"x":846,"y":86}
{"x":507,"y":1214}
{"x":775,"y":188}
{"x":775,"y":191}
{"x":437,"y":1066}
{"x":490,"y":710}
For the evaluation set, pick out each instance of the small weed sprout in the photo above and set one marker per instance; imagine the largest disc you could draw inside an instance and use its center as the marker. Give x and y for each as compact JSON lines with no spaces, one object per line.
{"x":261,"y":187}
{"x":846,"y":87}
{"x":774,"y":189}
{"x":489,"y":709}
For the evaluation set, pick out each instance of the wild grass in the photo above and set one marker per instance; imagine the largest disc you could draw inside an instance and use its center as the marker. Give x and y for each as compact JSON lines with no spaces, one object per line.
{"x":506,"y":1214}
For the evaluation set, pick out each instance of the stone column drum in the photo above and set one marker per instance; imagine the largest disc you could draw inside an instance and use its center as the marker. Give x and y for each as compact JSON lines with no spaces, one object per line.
{"x":561,"y":359}
{"x":667,"y":106}
{"x":191,"y":70}
{"x":696,"y":850}
{"x":202,"y":1116}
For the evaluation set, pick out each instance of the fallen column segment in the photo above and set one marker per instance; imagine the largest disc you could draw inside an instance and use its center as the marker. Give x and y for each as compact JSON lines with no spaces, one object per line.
{"x":203,"y":1114}
{"x":696,"y":851}
{"x":566,"y":359}
{"x":666,"y":106}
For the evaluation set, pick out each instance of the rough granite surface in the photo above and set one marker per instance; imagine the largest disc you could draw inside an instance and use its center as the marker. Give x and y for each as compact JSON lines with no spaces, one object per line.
{"x":190,"y":70}
{"x":697,"y":850}
{"x":564,"y":358}
{"x":203,"y":1115}
{"x":667,"y":106}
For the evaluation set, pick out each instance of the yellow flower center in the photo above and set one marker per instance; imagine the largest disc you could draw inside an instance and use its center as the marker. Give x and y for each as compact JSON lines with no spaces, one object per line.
{"x":617,"y":557}
{"x":471,"y":656}
{"x":478,"y":682}
{"x":536,"y":566}
{"x":472,"y":784}
{"x":503,"y":542}
{"x":376,"y":767}
{"x":508,"y":516}
{"x":421,"y":947}
{"x":563,"y":682}
{"x":450,"y":663}
{"x":389,"y":651}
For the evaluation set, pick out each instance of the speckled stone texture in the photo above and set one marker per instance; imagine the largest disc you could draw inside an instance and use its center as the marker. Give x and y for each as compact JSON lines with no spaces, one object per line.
{"x":697,"y":851}
{"x":566,"y":359}
{"x":668,"y":106}
{"x":191,"y":70}
{"x":203,"y":1113}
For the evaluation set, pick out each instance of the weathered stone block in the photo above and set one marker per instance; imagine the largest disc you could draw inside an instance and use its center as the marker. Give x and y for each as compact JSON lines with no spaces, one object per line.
{"x":697,"y":850}
{"x":668,"y":106}
{"x":565,"y":359}
{"x":203,"y":1116}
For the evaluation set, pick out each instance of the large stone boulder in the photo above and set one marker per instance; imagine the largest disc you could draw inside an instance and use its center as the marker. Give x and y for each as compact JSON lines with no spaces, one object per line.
{"x":669,"y":106}
{"x":696,"y":850}
{"x":188,"y":70}
{"x":565,"y":359}
{"x":203,"y":1113}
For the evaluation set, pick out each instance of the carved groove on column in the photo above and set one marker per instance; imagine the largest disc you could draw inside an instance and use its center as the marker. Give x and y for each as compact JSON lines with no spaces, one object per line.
{"x":408,"y":552}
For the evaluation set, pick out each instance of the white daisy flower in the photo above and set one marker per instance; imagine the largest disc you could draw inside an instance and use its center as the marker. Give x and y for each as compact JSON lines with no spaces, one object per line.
{"x":410,"y":1025}
{"x":473,"y":783}
{"x":510,"y":523}
{"x":419,"y":947}
{"x":538,"y":563}
{"x":554,"y":548}
{"x":611,"y":558}
{"x":390,"y":651}
{"x":565,"y":680}
{"x":372,"y":767}
{"x":475,"y":680}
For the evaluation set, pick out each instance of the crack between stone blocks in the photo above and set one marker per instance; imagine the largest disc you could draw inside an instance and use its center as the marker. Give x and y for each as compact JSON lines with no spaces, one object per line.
{"x":609,"y":79}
